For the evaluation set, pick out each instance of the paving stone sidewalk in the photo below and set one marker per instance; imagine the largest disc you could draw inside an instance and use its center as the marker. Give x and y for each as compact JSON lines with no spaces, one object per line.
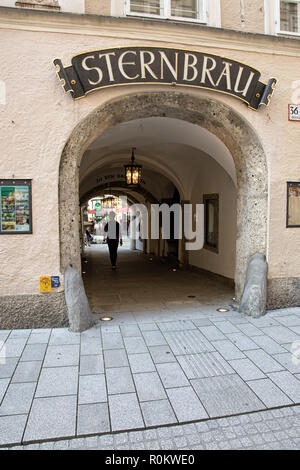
{"x":150,"y":370}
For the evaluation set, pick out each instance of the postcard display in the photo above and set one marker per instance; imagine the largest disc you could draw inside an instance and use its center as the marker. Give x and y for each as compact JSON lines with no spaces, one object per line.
{"x":15,"y":206}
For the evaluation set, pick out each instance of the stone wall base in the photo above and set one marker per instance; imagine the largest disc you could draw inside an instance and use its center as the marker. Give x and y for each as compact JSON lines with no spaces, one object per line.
{"x":33,"y":311}
{"x":283,"y":292}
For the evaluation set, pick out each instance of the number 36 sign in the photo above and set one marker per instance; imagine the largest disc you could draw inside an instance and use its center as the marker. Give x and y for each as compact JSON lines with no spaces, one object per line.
{"x":294,"y":112}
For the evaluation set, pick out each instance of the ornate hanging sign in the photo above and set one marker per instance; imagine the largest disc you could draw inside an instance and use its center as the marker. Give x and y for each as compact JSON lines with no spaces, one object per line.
{"x":153,"y":65}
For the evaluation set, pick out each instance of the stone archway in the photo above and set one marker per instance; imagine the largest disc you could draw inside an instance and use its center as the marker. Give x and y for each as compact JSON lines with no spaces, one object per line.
{"x":220,"y":119}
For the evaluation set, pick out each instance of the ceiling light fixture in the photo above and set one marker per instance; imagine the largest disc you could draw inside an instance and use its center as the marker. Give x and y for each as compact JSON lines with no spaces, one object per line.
{"x":133,"y":172}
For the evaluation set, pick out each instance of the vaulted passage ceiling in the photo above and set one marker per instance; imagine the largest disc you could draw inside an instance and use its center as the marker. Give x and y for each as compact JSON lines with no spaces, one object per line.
{"x":168,"y":147}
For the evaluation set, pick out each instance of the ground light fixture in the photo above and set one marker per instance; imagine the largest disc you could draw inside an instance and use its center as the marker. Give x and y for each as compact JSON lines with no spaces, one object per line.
{"x":106,"y":318}
{"x":222,"y":309}
{"x":133,"y":172}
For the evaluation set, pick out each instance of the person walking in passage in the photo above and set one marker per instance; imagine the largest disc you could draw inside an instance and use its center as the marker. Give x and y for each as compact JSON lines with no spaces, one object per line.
{"x":113,"y":230}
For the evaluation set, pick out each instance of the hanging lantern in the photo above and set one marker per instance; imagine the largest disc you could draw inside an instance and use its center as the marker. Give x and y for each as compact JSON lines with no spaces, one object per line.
{"x":133,"y":172}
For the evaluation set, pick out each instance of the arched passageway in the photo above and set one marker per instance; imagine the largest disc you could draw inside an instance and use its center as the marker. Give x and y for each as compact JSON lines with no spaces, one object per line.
{"x":220,"y":120}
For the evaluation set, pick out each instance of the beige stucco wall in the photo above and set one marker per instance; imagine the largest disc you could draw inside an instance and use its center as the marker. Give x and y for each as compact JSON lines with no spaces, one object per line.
{"x":243,"y":15}
{"x":37,"y":118}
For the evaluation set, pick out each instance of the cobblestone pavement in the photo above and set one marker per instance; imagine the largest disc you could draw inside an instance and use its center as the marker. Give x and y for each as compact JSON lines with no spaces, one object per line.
{"x":158,"y":363}
{"x":267,"y":430}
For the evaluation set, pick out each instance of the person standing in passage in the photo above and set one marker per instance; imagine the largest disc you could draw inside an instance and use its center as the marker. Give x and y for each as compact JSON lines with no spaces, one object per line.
{"x":112,"y":228}
{"x":89,"y":237}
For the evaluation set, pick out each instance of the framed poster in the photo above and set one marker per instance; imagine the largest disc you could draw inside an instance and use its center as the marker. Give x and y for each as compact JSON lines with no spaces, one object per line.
{"x":15,"y":207}
{"x":293,"y":205}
